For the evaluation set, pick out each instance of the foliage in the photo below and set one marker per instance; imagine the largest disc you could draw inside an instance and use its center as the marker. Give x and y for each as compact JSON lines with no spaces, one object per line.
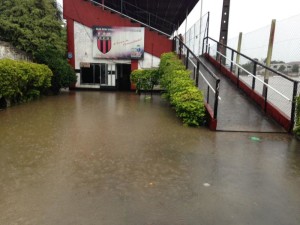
{"x":145,"y":79}
{"x":295,"y":68}
{"x":249,"y":66}
{"x":297,"y":122}
{"x":23,"y":81}
{"x":35,"y":26}
{"x":281,"y":68}
{"x":181,"y":91}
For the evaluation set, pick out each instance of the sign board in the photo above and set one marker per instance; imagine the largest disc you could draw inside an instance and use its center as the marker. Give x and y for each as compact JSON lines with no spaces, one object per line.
{"x":118,"y":42}
{"x":85,"y":65}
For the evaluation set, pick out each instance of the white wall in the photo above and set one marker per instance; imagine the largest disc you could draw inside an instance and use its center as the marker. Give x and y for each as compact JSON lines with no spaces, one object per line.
{"x":149,"y":61}
{"x":7,"y":50}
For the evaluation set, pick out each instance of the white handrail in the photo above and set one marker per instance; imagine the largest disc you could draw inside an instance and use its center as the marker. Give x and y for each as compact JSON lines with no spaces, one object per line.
{"x":255,"y":77}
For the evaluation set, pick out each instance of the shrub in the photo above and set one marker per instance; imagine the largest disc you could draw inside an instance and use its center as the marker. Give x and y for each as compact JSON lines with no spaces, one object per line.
{"x":23,"y":81}
{"x":181,"y":91}
{"x":297,"y":122}
{"x":145,"y":79}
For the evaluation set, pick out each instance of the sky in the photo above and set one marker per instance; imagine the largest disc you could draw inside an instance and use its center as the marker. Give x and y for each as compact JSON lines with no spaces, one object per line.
{"x":245,"y":15}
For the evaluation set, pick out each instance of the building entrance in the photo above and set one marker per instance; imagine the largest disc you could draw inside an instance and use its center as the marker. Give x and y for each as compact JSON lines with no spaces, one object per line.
{"x":123,"y":76}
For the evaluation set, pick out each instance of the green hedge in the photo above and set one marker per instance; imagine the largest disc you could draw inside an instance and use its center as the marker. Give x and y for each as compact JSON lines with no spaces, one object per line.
{"x":145,"y":79}
{"x":297,"y":127}
{"x":22,"y":81}
{"x":181,"y":91}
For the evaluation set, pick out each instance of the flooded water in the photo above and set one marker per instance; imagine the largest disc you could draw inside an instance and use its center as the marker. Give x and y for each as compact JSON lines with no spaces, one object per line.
{"x":115,"y":158}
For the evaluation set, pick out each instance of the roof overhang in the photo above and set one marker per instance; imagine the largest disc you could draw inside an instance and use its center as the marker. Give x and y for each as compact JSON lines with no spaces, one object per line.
{"x":164,"y":15}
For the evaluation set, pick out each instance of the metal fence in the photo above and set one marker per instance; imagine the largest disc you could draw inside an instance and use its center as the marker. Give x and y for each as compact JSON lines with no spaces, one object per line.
{"x":273,"y":86}
{"x":194,"y":36}
{"x":204,"y":78}
{"x":286,"y":50}
{"x":138,"y":14}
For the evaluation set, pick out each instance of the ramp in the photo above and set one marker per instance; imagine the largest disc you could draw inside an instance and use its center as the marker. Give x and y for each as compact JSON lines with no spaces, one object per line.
{"x":236,"y":112}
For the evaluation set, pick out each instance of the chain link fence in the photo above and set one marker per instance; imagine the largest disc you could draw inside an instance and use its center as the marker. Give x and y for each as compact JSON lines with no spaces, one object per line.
{"x":194,"y":36}
{"x":286,"y":50}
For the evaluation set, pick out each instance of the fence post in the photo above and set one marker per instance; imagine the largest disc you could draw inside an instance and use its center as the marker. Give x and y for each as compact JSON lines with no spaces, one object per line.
{"x":239,"y":51}
{"x":216,"y":99}
{"x":203,"y":47}
{"x":269,"y":55}
{"x":180,"y":49}
{"x":187,"y":59}
{"x":266,"y":98}
{"x":232,"y":57}
{"x":254,"y":73}
{"x":294,"y":102}
{"x":217,"y":51}
{"x":238,"y":78}
{"x":220,"y":61}
{"x":207,"y":98}
{"x":197,"y":73}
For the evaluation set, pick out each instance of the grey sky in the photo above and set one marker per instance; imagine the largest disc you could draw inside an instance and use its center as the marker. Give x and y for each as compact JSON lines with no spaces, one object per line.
{"x":245,"y":15}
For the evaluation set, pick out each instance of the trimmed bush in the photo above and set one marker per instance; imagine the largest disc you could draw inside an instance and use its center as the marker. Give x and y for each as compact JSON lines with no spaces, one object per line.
{"x":23,"y":81}
{"x":145,"y":79}
{"x":181,"y":91}
{"x":297,"y":122}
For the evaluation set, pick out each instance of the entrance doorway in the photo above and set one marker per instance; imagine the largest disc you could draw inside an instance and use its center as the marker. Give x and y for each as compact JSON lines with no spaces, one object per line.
{"x":123,"y":75}
{"x":98,"y":75}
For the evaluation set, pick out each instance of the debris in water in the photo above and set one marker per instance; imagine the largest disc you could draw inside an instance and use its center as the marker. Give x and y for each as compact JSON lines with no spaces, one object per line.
{"x":206,"y":185}
{"x":255,"y":138}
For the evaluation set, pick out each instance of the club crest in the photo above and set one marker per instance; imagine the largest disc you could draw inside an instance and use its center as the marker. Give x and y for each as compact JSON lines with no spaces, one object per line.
{"x":104,"y":41}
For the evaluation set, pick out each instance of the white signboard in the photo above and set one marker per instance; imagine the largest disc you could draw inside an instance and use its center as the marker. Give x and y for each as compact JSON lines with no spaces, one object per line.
{"x":118,"y":42}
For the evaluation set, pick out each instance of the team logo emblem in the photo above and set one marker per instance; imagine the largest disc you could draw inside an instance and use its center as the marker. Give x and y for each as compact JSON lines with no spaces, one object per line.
{"x":104,"y":41}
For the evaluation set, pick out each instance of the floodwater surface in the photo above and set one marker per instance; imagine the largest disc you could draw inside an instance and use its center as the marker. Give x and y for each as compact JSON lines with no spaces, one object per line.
{"x":115,"y":159}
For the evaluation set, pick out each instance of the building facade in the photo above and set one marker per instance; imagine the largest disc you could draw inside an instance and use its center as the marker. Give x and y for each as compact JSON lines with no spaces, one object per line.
{"x":104,"y":46}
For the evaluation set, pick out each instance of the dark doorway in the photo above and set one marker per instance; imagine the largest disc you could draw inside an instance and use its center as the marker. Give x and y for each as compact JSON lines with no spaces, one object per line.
{"x":123,"y":74}
{"x":94,"y":74}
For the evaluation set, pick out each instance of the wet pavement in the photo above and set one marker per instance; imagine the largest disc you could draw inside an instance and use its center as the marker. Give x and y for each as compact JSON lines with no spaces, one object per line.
{"x":115,"y":158}
{"x":236,"y":112}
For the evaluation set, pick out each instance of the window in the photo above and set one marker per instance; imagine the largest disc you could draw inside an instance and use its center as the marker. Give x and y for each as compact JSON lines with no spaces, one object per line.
{"x":93,"y":73}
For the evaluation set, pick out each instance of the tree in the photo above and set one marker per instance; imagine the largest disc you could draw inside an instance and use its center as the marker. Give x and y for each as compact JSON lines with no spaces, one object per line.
{"x":281,"y":68}
{"x":295,"y":68}
{"x":35,"y":26}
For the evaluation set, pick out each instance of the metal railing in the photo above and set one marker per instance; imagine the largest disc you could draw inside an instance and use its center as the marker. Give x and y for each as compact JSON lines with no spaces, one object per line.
{"x":206,"y":81}
{"x":138,"y":15}
{"x":274,"y":87}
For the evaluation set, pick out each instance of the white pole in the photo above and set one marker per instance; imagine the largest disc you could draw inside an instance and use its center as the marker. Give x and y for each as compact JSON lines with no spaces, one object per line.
{"x":201,"y":12}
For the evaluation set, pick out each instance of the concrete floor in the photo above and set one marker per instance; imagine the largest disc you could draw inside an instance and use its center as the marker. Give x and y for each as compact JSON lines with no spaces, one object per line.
{"x":115,"y":158}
